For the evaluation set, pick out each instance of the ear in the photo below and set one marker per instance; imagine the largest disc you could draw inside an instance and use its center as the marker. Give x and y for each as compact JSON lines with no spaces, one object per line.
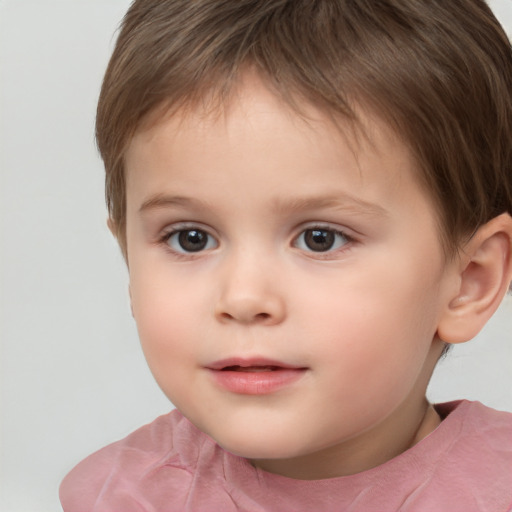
{"x":119,"y":234}
{"x":112,"y":226}
{"x":131,"y":303}
{"x":485,"y":272}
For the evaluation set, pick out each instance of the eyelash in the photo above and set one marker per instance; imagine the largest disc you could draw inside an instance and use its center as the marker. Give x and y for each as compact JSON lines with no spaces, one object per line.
{"x":328,"y":253}
{"x":182,"y":229}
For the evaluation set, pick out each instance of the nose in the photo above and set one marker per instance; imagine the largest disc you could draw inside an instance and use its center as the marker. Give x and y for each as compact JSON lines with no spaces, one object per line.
{"x":249,"y":293}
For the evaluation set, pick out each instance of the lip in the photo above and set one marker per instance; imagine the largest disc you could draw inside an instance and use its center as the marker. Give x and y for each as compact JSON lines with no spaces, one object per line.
{"x":254,"y":376}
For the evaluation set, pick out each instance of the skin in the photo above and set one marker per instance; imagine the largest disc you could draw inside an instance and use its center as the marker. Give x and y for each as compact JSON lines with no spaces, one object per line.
{"x":360,"y":319}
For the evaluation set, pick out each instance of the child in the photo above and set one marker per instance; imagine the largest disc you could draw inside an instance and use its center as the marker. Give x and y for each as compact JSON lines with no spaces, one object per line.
{"x":313,"y":199}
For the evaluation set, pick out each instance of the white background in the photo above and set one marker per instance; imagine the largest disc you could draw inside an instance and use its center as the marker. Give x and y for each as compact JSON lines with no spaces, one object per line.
{"x":73,"y":377}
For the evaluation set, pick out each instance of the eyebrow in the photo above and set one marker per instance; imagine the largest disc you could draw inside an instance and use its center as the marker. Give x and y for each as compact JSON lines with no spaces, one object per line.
{"x":161,"y":201}
{"x":340,"y":201}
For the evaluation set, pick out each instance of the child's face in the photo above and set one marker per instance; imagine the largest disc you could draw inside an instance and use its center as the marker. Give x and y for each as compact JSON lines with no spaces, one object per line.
{"x":286,"y":289}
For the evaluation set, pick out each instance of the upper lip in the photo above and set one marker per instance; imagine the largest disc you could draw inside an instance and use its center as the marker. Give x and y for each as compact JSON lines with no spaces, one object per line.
{"x":250,"y":362}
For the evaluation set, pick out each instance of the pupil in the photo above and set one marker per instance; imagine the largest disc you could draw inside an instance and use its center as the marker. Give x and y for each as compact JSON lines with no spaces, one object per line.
{"x":193,"y":240}
{"x":319,"y":240}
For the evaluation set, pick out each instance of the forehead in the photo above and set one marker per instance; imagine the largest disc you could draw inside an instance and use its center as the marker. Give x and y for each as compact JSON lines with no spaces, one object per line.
{"x":257,"y":131}
{"x":251,"y":98}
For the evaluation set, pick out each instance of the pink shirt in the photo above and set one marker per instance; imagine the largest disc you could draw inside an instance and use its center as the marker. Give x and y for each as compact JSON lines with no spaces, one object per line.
{"x":465,"y":465}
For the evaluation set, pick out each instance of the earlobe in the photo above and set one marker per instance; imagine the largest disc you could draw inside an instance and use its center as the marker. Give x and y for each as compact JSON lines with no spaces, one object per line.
{"x":484,"y":278}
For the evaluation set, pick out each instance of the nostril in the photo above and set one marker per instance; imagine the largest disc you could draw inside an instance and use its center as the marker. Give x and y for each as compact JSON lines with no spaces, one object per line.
{"x":258,"y":317}
{"x":249,"y":309}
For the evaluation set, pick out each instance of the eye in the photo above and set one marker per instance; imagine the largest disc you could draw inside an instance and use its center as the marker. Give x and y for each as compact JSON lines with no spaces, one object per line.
{"x":321,"y":239}
{"x":190,"y":240}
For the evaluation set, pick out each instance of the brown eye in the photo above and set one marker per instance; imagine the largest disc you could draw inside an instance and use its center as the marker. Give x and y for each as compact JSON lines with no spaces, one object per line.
{"x":320,"y":240}
{"x":190,"y":240}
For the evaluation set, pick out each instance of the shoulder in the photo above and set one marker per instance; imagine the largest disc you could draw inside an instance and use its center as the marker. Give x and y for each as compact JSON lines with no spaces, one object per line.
{"x":115,"y":474}
{"x":486,"y":434}
{"x":477,"y":421}
{"x":476,"y":465}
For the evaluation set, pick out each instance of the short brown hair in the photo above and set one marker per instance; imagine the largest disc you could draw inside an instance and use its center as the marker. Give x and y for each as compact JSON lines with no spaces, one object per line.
{"x":439,"y":72}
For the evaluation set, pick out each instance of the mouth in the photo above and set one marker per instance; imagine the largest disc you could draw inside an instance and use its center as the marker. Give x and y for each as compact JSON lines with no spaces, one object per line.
{"x":253,"y":364}
{"x":253,"y":369}
{"x":254,"y":376}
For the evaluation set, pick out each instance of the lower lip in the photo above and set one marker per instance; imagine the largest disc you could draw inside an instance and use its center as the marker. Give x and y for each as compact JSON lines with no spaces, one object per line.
{"x":257,"y":383}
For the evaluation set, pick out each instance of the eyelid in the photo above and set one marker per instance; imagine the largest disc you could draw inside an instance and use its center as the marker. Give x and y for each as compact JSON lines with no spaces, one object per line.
{"x":328,"y":226}
{"x":183,"y":226}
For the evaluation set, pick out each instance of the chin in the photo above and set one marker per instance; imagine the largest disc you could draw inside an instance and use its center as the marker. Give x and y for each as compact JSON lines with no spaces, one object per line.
{"x":256,"y":435}
{"x":258,"y":445}
{"x":255,"y":451}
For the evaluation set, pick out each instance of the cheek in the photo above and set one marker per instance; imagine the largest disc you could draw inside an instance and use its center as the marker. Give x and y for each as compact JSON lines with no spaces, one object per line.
{"x":165,"y":330}
{"x":376,"y":334}
{"x":166,"y":317}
